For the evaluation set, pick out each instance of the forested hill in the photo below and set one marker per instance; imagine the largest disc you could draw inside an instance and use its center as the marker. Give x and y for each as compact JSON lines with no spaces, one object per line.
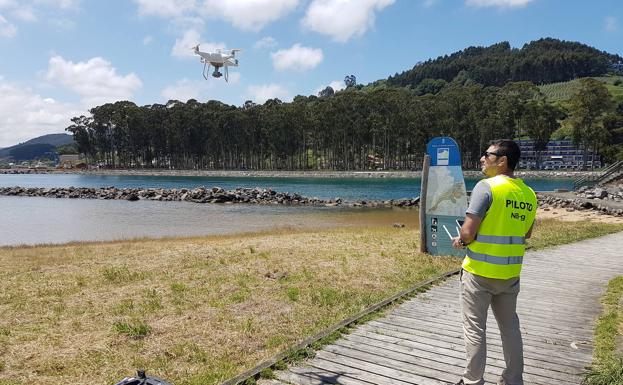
{"x":542,"y":61}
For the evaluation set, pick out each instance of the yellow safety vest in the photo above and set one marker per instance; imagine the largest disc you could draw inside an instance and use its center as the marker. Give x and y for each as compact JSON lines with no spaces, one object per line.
{"x":498,"y":250}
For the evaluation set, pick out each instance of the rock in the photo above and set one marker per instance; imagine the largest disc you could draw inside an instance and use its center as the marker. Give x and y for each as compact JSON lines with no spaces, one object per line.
{"x":399,"y":225}
{"x":277,"y":274}
{"x":600,"y":193}
{"x":132,"y":197}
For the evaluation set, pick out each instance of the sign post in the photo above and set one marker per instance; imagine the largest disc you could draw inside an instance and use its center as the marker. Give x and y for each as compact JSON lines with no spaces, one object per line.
{"x":443,"y":197}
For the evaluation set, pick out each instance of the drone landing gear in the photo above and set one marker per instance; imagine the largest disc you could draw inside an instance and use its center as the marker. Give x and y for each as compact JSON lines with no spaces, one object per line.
{"x":206,"y":70}
{"x":216,"y":73}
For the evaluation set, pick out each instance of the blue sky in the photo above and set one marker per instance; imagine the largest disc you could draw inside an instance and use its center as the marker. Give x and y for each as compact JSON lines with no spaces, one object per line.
{"x":58,"y":58}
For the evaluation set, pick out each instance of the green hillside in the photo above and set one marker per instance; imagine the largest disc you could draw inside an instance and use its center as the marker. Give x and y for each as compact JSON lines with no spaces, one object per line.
{"x":36,"y":147}
{"x":542,"y":61}
{"x":562,"y":91}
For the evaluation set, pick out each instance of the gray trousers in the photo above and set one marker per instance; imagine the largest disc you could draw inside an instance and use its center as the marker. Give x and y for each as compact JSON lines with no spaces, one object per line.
{"x":477,"y":293}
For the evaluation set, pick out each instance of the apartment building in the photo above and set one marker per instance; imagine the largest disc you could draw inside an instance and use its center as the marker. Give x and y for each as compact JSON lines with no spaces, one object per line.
{"x":559,"y":155}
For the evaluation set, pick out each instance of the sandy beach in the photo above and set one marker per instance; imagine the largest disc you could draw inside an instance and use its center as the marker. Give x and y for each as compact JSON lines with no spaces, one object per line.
{"x":566,"y":215}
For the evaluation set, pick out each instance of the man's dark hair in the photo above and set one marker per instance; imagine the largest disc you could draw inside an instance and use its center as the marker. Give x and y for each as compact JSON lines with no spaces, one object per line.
{"x":510,"y":149}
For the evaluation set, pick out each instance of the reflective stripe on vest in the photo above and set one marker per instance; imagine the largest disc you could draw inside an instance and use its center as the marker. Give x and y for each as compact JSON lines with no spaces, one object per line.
{"x":494,"y":259}
{"x":501,"y":239}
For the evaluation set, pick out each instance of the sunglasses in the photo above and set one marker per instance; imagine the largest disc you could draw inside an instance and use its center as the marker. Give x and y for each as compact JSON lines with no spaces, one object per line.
{"x":487,"y":153}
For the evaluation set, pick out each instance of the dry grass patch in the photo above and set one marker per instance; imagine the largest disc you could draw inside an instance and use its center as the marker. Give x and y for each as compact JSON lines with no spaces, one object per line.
{"x":190,"y":310}
{"x":200,"y":310}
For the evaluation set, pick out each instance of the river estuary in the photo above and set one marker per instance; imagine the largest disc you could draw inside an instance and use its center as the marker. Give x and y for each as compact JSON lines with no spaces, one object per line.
{"x":31,"y":221}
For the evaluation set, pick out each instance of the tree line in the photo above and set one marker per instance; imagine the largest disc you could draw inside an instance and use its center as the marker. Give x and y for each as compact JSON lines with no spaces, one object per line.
{"x":359,"y":128}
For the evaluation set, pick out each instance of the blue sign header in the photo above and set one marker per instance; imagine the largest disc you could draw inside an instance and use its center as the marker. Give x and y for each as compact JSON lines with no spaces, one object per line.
{"x":443,"y":151}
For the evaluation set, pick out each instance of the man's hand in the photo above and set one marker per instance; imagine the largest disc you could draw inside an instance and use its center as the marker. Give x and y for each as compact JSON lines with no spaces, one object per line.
{"x":456,"y":243}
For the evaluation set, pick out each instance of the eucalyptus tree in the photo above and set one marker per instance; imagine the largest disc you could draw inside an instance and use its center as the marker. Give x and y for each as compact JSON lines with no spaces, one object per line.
{"x":539,"y":121}
{"x":84,"y":136}
{"x":588,"y":107}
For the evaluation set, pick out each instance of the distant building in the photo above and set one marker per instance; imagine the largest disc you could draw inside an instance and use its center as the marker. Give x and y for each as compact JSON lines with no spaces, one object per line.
{"x":617,"y":67}
{"x":71,"y":161}
{"x":559,"y":155}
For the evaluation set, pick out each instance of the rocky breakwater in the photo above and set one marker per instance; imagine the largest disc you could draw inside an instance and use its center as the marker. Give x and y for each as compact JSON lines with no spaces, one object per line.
{"x":606,"y":200}
{"x":197,"y":195}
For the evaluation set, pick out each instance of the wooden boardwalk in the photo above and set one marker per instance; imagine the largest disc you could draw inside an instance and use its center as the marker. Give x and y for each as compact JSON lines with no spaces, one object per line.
{"x":420,"y":341}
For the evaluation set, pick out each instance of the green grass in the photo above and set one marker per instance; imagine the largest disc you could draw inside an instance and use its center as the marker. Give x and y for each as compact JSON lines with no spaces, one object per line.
{"x":607,"y":366}
{"x":135,"y":329}
{"x":550,"y":232}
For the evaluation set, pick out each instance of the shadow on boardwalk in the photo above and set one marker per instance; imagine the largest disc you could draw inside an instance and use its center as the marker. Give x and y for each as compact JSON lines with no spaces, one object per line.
{"x":420,"y":341}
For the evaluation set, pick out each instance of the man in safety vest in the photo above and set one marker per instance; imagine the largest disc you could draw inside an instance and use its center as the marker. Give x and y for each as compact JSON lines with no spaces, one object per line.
{"x":498,"y":221}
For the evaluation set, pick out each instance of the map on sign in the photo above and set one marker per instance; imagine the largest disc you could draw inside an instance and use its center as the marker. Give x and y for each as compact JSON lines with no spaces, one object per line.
{"x":446,"y":193}
{"x":446,"y":197}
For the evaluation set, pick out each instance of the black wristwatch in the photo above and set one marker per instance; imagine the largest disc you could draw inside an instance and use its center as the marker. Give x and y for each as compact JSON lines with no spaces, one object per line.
{"x":462,"y":243}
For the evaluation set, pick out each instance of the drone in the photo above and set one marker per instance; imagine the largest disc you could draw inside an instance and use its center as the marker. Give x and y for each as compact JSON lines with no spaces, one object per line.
{"x":221,"y":58}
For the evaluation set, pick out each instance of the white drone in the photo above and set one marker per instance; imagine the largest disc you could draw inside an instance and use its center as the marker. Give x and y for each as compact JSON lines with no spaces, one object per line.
{"x":221,"y":58}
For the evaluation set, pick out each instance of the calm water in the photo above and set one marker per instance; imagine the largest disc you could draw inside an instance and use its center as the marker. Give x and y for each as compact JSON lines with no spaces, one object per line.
{"x":324,"y":188}
{"x":26,"y":220}
{"x":43,"y":220}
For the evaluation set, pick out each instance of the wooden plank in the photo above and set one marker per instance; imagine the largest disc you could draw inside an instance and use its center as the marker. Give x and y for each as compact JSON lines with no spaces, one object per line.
{"x":524,"y":307}
{"x":374,"y":371}
{"x":454,"y":313}
{"x":366,"y":374}
{"x":430,"y":367}
{"x":415,"y":368}
{"x":452,"y":335}
{"x":525,"y":297}
{"x":425,"y":351}
{"x":308,"y":375}
{"x":263,"y":381}
{"x":529,"y":350}
{"x":449,"y":364}
{"x":534,"y":327}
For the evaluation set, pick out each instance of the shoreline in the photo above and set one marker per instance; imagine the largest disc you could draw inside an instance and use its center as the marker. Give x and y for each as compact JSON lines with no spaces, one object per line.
{"x":561,"y":174}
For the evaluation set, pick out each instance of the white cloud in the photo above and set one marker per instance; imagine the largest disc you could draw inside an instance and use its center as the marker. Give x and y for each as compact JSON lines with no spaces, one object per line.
{"x":24,"y":114}
{"x":7,"y":4}
{"x":182,"y":90}
{"x":63,"y":24}
{"x":261,"y":93}
{"x":611,"y":24}
{"x":337,"y":85}
{"x":499,"y":3}
{"x":265,"y":43}
{"x":183,"y":46}
{"x":342,"y":19}
{"x":96,"y":81}
{"x":251,"y":15}
{"x":7,"y":29}
{"x":297,"y":58}
{"x":25,"y":13}
{"x":31,"y":10}
{"x":62,"y":4}
{"x":165,"y":8}
{"x":147,"y":40}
